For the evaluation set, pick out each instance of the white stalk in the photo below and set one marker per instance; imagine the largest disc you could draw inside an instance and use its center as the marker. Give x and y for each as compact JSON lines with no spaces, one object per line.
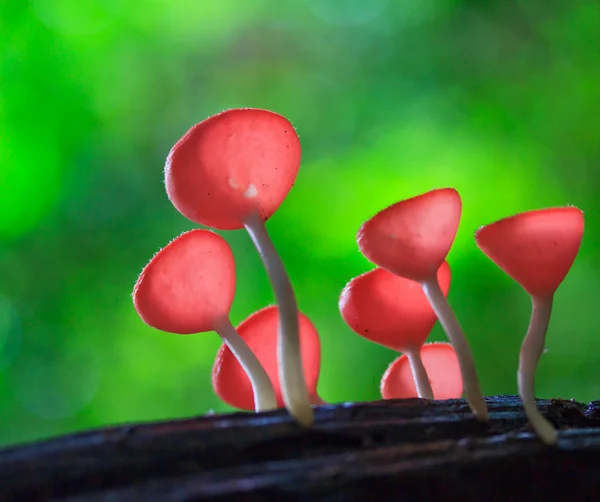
{"x":264,"y":395}
{"x":531,"y":351}
{"x":419,"y":373}
{"x":291,"y":374}
{"x":457,"y":338}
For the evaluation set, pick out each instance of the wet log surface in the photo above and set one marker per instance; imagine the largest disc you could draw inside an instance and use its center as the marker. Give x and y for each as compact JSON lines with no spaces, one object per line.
{"x":386,"y":450}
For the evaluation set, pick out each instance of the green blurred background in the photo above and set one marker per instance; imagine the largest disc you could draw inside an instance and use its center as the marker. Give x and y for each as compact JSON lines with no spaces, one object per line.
{"x":391,"y":98}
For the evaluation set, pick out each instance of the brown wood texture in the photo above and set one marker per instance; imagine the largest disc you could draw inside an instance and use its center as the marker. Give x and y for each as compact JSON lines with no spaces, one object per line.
{"x":405,"y":450}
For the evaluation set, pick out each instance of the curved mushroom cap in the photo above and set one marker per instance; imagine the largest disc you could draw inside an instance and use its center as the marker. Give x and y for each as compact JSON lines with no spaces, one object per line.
{"x":412,"y":237}
{"x":535,"y":248}
{"x":442,"y":367}
{"x":390,"y":310}
{"x":232,"y":164}
{"x":188,"y":285}
{"x":260,"y":332}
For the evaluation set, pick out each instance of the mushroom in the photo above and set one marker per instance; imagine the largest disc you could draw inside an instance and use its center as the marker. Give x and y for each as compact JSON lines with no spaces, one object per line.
{"x":394,"y":312}
{"x":232,"y":171}
{"x":537,"y":249}
{"x":412,"y":239}
{"x":259,"y":332}
{"x":188,"y":287}
{"x":441,"y":363}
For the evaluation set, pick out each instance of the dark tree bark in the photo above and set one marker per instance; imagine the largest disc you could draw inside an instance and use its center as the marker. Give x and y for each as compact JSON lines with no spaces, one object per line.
{"x":387,"y":450}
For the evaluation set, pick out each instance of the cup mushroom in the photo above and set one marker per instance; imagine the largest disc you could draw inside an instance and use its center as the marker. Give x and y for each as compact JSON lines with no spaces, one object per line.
{"x":441,"y":364}
{"x":232,"y":171}
{"x":259,"y":332}
{"x":412,"y":239}
{"x":537,"y":249}
{"x":394,"y":312}
{"x":188,"y":287}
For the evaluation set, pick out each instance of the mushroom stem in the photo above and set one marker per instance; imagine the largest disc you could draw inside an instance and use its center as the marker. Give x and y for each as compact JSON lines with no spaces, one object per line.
{"x":264,"y":394}
{"x":455,"y":334}
{"x":419,"y":373}
{"x":291,"y":374}
{"x":531,"y":351}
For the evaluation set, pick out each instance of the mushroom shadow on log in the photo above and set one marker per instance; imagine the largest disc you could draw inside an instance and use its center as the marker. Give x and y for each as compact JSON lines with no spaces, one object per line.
{"x":397,"y":450}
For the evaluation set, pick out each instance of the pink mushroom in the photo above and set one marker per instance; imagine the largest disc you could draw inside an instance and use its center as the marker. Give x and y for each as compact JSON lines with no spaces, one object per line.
{"x":232,"y":171}
{"x":441,"y":363}
{"x":259,"y":332}
{"x":394,"y":312}
{"x":188,"y":287}
{"x":536,"y":249}
{"x":412,"y":239}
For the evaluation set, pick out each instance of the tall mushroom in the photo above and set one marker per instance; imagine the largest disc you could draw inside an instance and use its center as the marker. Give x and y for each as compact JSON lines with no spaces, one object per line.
{"x":232,"y":171}
{"x":412,"y":239}
{"x":394,"y":312}
{"x":188,"y":287}
{"x":537,"y":249}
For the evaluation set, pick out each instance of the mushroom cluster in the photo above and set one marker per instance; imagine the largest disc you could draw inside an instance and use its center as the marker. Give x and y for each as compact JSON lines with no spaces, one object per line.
{"x":232,"y":171}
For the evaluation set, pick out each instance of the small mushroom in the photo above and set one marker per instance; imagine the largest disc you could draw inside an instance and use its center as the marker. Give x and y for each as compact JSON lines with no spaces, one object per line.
{"x":441,"y":363}
{"x":412,"y":239}
{"x":232,"y":171}
{"x":188,"y":287}
{"x":394,"y":312}
{"x":259,"y":332}
{"x":537,"y":249}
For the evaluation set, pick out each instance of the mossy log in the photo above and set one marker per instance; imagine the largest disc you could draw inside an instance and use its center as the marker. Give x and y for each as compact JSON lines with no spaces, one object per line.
{"x":402,"y":450}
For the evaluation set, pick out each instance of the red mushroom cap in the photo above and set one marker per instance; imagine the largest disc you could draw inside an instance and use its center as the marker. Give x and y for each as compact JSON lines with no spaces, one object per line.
{"x":232,"y":164}
{"x":259,"y":331}
{"x":188,"y":285}
{"x":442,"y":367}
{"x":535,"y":248}
{"x":412,"y":237}
{"x":390,"y":310}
